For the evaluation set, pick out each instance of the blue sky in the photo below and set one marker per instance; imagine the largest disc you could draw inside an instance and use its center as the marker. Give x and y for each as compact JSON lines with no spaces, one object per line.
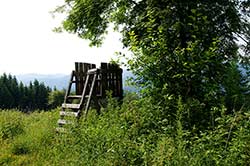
{"x":28,"y":45}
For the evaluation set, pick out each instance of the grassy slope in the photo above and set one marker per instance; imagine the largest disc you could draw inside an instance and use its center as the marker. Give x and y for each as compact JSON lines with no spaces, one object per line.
{"x":128,"y":135}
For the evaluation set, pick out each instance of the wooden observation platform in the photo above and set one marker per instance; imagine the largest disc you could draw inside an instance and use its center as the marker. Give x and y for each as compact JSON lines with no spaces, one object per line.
{"x":87,"y":85}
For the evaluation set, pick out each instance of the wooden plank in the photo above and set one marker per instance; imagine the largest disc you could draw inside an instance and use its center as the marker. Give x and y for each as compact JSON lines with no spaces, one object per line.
{"x":90,"y":94}
{"x":74,"y":96}
{"x":93,"y":71}
{"x":114,"y":82}
{"x":77,"y":88}
{"x":71,"y":106}
{"x":108,"y":77}
{"x":81,"y":78}
{"x":61,"y":130}
{"x":76,"y":66}
{"x":98,"y":85}
{"x":113,"y":70}
{"x":86,"y":67}
{"x":67,"y":113}
{"x":111,"y":79}
{"x":64,"y":122}
{"x":81,"y":72}
{"x":93,"y":66}
{"x":119,"y":83}
{"x":84,"y":91}
{"x":104,"y":79}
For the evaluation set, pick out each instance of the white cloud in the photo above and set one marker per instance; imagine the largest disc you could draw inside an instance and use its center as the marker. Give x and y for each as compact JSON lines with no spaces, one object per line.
{"x":28,"y":45}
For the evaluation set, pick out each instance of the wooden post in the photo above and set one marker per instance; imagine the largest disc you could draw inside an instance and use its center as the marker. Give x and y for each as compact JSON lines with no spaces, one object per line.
{"x":81,"y":70}
{"x":76,"y":78}
{"x":104,"y":79}
{"x":120,"y":86}
{"x":81,"y":76}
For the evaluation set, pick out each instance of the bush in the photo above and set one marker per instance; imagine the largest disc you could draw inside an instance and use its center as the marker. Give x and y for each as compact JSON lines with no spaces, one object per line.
{"x":134,"y":133}
{"x":21,"y":146}
{"x":11,"y":124}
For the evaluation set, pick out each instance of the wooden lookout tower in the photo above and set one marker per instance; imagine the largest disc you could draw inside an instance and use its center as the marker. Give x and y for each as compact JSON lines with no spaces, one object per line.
{"x":87,"y":85}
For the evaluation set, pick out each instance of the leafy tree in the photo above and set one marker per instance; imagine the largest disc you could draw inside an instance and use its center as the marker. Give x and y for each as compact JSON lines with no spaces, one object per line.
{"x":180,"y":48}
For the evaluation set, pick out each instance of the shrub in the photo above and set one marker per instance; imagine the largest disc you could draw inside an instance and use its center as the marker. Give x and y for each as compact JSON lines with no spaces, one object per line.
{"x":11,"y":124}
{"x":21,"y":146}
{"x":134,"y":133}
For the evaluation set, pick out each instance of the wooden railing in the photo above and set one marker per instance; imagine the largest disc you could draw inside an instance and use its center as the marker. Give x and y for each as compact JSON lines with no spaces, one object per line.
{"x":109,"y":78}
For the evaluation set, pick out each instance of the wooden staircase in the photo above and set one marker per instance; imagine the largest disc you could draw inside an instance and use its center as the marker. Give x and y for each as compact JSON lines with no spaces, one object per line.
{"x":77,"y":105}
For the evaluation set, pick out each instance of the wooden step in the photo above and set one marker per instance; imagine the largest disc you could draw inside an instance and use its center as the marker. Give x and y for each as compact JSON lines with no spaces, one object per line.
{"x":92,"y":71}
{"x":61,"y":130}
{"x":64,"y":122}
{"x":74,"y":97}
{"x":67,"y":113}
{"x":71,"y":106}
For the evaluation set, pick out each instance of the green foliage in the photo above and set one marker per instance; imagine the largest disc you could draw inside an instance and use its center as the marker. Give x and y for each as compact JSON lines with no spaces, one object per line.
{"x":134,"y":133}
{"x":10,"y":125}
{"x":56,"y":98}
{"x":183,"y":48}
{"x":20,"y":146}
{"x":8,"y":89}
{"x":35,"y":135}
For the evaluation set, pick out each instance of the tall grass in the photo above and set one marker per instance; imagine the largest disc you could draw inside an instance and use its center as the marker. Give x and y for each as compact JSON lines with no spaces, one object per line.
{"x":24,"y":136}
{"x":134,"y":133}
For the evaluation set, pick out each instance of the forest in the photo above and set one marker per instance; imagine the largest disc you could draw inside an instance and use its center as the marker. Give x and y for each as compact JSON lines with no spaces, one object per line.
{"x":27,"y":98}
{"x":191,"y":65}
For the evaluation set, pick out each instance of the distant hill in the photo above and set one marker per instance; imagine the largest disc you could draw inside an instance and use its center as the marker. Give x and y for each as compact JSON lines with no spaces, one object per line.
{"x":60,"y":81}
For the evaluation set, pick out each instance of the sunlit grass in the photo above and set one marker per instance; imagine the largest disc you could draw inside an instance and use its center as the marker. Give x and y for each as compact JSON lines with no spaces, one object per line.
{"x":121,"y":135}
